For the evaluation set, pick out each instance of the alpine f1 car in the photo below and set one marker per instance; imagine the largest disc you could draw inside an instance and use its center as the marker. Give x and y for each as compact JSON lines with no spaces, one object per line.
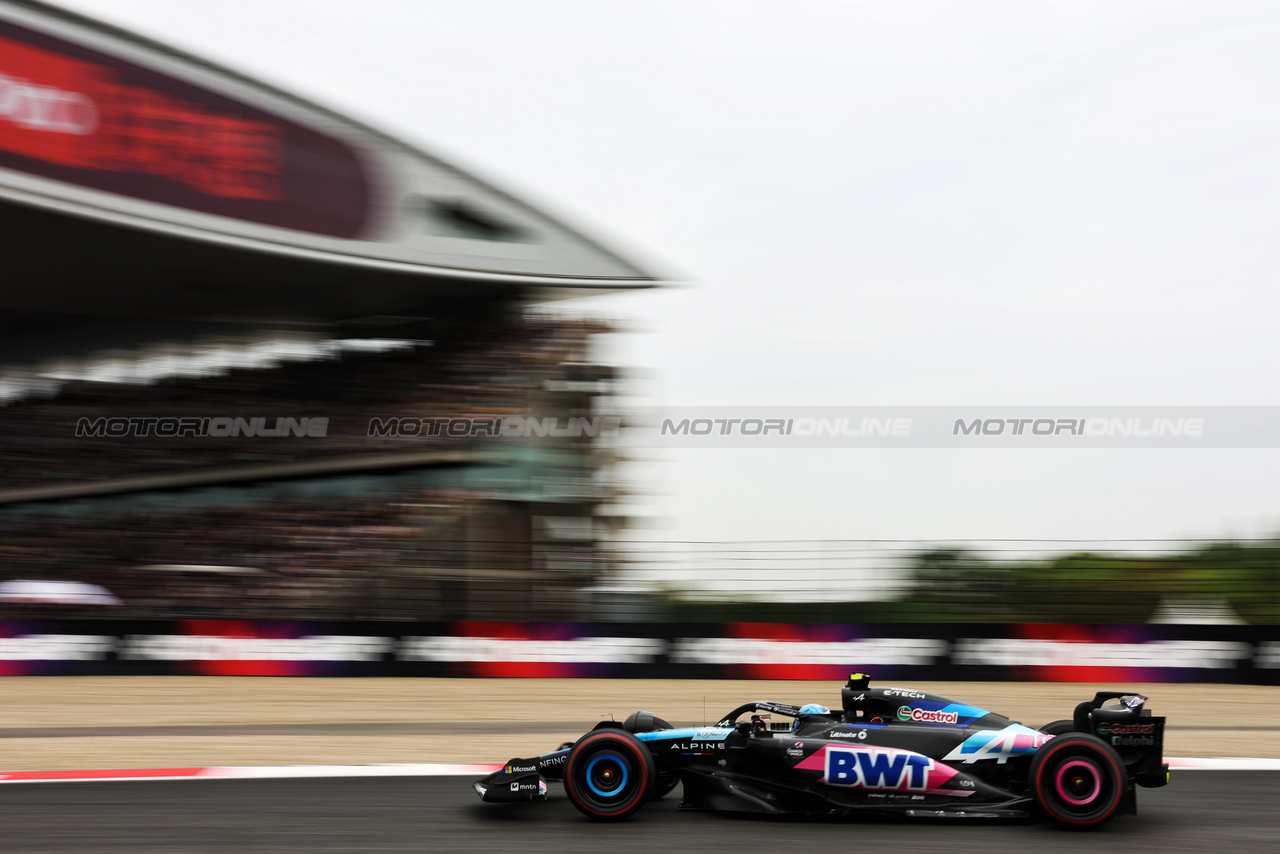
{"x":887,"y":751}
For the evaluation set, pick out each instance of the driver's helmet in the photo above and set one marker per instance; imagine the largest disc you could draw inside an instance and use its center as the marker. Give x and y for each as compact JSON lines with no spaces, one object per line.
{"x":809,"y":709}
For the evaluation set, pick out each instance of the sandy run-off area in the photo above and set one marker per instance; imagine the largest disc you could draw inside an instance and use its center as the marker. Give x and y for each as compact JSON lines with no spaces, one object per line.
{"x":148,"y":722}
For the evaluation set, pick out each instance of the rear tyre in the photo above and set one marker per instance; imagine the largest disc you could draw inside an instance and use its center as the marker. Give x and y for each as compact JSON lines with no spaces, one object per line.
{"x":1078,"y":780}
{"x":609,"y":775}
{"x":1059,"y":727}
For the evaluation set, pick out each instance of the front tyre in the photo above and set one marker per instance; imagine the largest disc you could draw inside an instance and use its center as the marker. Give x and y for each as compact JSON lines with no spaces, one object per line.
{"x":609,"y":775}
{"x":1078,"y":780}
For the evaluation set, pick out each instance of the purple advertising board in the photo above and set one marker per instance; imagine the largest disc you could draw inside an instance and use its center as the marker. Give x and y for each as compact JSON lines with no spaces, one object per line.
{"x":828,"y":651}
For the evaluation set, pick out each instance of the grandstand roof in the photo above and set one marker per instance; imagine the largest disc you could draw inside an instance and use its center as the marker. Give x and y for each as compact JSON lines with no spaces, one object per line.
{"x":139,"y":183}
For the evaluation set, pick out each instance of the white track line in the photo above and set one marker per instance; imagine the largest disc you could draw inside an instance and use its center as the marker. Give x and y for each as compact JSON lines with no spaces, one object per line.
{"x":434,"y":769}
{"x":1224,"y":763}
{"x":252,"y":772}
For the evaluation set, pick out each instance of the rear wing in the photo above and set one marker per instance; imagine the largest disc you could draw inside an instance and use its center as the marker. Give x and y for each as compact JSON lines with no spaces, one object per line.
{"x":1129,"y":728}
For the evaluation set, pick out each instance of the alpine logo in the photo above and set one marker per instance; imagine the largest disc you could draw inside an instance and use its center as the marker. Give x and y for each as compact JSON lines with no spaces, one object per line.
{"x":906,"y":713}
{"x":694,"y":746}
{"x":999,"y":745}
{"x":879,"y":770}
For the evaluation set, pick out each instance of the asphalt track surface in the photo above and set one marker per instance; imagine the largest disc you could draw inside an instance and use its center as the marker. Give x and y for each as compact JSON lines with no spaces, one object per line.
{"x":1200,"y":811}
{"x":388,"y":728}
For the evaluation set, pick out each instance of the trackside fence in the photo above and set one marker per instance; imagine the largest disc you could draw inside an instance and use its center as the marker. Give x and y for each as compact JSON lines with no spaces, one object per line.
{"x":822,"y":651}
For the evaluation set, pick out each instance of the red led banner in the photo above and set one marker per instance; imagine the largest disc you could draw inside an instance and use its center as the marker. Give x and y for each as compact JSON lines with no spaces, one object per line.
{"x":75,"y":115}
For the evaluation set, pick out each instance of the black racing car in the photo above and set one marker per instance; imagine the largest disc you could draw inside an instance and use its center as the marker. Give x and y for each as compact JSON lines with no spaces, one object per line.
{"x":888,"y":750}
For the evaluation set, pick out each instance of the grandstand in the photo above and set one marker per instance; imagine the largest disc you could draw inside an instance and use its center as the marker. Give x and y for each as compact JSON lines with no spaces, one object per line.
{"x":218,"y":295}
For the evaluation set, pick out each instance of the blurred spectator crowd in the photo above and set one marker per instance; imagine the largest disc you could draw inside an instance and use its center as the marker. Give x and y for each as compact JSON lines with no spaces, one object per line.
{"x":317,"y":558}
{"x":328,"y":553}
{"x":485,"y":367}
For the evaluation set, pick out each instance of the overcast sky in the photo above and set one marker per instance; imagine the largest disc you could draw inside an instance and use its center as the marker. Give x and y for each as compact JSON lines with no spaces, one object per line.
{"x":874,"y":203}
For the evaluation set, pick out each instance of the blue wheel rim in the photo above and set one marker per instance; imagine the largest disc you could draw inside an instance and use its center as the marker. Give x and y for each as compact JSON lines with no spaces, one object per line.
{"x":619,"y":787}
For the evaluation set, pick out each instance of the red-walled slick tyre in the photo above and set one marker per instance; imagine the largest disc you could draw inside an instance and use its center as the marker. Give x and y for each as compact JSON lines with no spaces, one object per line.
{"x":1078,"y":780}
{"x":1058,"y":727}
{"x":609,"y":775}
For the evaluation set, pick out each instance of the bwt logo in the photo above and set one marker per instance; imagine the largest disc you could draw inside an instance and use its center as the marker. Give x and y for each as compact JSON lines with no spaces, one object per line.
{"x":882,"y":770}
{"x":117,"y":428}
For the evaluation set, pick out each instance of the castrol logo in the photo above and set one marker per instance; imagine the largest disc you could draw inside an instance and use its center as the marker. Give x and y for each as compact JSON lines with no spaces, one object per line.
{"x":906,"y":713}
{"x":1105,"y":728}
